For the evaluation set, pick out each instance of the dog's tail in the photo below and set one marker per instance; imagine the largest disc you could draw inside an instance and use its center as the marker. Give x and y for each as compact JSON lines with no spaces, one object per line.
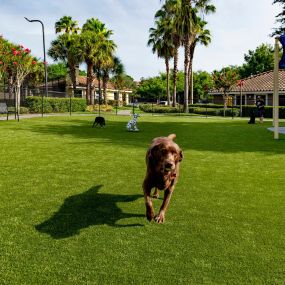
{"x":172,"y":136}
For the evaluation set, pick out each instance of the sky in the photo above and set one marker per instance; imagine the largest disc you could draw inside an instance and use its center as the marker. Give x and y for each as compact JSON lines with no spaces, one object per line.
{"x":237,"y":27}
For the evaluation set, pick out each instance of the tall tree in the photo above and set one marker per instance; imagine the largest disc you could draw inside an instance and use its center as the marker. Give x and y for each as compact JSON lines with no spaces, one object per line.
{"x":97,"y":45}
{"x":160,"y":39}
{"x":202,"y":36}
{"x":113,"y":66}
{"x":185,"y":14}
{"x":167,"y":15}
{"x":197,"y":33}
{"x":57,"y":71}
{"x":203,"y":82}
{"x":280,"y":19}
{"x":68,"y":48}
{"x":66,"y":25}
{"x":152,"y":88}
{"x":259,"y":60}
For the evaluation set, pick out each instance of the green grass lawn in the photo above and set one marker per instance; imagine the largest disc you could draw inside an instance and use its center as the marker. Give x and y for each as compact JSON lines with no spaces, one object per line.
{"x":72,"y":209}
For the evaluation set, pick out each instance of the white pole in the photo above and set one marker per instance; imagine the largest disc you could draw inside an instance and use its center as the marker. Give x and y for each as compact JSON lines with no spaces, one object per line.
{"x":276,"y":90}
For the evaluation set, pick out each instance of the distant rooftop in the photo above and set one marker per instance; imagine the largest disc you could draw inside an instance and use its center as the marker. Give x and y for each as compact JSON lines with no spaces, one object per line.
{"x":262,"y":82}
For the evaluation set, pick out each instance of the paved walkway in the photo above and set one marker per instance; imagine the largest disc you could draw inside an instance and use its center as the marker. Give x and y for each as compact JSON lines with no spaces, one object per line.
{"x":28,"y":116}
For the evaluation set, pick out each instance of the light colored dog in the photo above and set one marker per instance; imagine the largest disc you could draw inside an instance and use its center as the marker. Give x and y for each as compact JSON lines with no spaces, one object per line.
{"x":132,"y":124}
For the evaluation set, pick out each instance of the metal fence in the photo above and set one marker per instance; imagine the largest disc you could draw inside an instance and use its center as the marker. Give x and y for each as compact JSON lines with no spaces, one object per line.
{"x":8,"y":96}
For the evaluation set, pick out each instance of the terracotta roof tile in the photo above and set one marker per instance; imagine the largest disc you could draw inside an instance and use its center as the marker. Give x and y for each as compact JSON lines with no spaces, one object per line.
{"x":262,"y":82}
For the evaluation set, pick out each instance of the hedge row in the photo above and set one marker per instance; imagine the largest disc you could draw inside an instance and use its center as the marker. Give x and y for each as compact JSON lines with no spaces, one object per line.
{"x":55,"y":105}
{"x":215,"y":111}
{"x":211,"y":110}
{"x":268,"y":111}
{"x":246,"y":111}
{"x":149,"y":108}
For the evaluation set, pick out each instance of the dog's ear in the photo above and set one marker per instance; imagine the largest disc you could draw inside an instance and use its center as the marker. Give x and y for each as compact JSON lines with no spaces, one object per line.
{"x":172,"y":136}
{"x":180,"y":155}
{"x":154,"y":153}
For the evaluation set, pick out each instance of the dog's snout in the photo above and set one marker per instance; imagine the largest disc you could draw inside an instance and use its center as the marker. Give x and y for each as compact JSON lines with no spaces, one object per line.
{"x":169,"y":165}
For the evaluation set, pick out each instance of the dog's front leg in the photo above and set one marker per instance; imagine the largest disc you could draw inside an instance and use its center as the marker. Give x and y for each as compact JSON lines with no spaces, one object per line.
{"x":156,"y":193}
{"x":148,"y":202}
{"x":167,"y":196}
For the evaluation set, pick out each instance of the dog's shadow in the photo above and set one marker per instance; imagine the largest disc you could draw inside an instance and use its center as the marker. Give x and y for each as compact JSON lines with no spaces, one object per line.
{"x":87,"y":209}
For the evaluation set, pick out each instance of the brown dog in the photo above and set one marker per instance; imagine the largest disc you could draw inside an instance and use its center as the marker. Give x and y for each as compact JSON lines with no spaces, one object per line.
{"x":162,"y":160}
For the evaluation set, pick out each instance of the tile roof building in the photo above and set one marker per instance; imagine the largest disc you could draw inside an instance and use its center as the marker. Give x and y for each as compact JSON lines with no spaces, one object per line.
{"x":123,"y":96}
{"x":256,"y":85}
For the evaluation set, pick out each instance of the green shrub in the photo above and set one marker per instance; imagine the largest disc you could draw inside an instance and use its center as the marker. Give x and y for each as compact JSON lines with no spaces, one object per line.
{"x":149,"y":108}
{"x":214,"y":111}
{"x":208,"y":106}
{"x":55,"y":105}
{"x":228,"y":112}
{"x":112,"y":102}
{"x":268,"y":111}
{"x":95,"y":108}
{"x":24,"y":110}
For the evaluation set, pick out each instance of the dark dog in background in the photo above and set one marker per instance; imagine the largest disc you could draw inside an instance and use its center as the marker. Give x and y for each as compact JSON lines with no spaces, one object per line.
{"x":252,"y":117}
{"x":99,"y":121}
{"x":162,"y":159}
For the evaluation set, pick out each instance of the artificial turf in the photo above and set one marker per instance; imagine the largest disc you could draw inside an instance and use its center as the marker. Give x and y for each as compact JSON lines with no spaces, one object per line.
{"x":72,"y":209}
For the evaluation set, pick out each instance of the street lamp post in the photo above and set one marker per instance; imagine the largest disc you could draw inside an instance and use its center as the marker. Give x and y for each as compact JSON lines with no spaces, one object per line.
{"x":45,"y":63}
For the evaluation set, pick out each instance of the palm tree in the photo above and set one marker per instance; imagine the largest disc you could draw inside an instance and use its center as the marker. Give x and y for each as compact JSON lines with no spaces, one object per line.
{"x":97,"y":48}
{"x":166,"y":15}
{"x":202,"y":36}
{"x":199,"y":34}
{"x":113,"y":66}
{"x":97,"y":27}
{"x":66,"y":25}
{"x":161,"y":41}
{"x":185,"y":14}
{"x":67,"y":48}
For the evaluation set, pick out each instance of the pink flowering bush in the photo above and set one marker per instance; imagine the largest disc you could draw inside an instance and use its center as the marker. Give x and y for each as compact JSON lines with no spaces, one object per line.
{"x":16,"y":62}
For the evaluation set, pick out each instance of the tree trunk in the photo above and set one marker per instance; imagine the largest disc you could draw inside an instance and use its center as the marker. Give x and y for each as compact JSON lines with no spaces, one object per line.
{"x":190,"y":73}
{"x":17,"y":97}
{"x":72,"y":72}
{"x":89,"y":83}
{"x":99,"y":87}
{"x":100,"y":94}
{"x":105,"y":81}
{"x":167,"y":81}
{"x":186,"y":75}
{"x":10,"y":86}
{"x":175,"y":70}
{"x":225,"y":96}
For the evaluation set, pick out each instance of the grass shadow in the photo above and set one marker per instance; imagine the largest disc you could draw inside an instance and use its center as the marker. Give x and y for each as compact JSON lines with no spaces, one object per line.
{"x":87,"y":209}
{"x":218,"y":135}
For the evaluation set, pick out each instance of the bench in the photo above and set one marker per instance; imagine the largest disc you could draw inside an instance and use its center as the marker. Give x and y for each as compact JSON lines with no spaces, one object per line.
{"x":4,"y":109}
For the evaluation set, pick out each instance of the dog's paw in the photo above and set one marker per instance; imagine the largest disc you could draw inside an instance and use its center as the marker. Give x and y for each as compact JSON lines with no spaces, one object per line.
{"x":159,"y":218}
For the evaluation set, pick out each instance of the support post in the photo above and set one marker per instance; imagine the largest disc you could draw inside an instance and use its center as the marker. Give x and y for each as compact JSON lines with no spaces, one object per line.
{"x":276,"y":90}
